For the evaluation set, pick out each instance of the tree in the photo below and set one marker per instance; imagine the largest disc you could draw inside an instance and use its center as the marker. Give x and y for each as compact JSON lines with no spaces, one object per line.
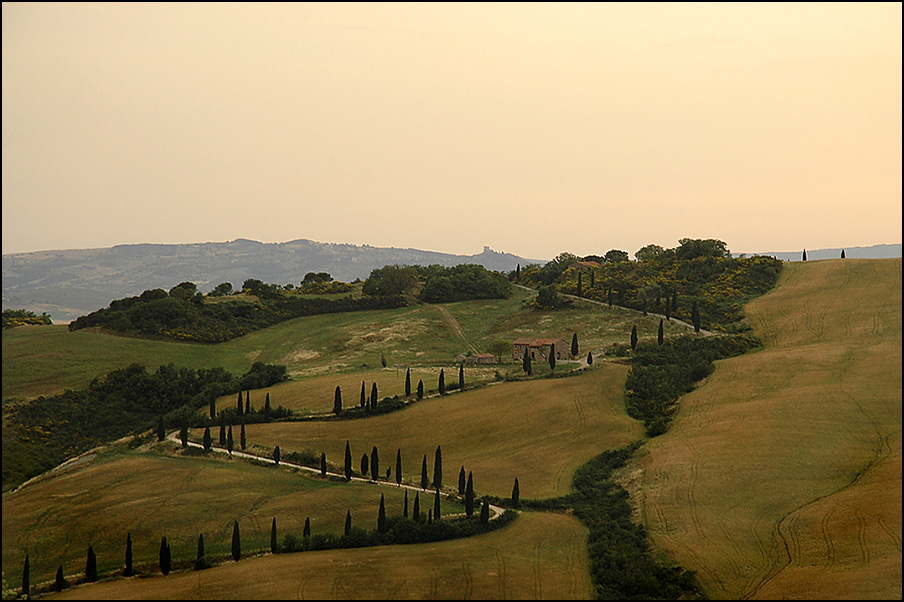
{"x":348,"y":461}
{"x":461,"y":481}
{"x":485,"y":513}
{"x":363,"y":395}
{"x":525,"y":364}
{"x":128,"y":570}
{"x":161,"y":432}
{"x":365,"y":463}
{"x":668,"y":309}
{"x":213,"y":409}
{"x":60,"y":583}
{"x":616,"y":256}
{"x":274,"y":547}
{"x":337,"y":401}
{"x":842,"y":253}
{"x":242,"y":439}
{"x":348,"y":522}
{"x":518,"y":272}
{"x":548,"y":297}
{"x":648,"y":252}
{"x":405,"y":506}
{"x":469,"y":495}
{"x":236,"y":542}
{"x":239,"y":406}
{"x":306,"y":532}
{"x":373,"y":396}
{"x":580,"y":285}
{"x":499,"y":348}
{"x":26,"y":579}
{"x":374,"y":464}
{"x":695,"y":317}
{"x":408,"y":382}
{"x":661,"y":335}
{"x":247,"y":402}
{"x":416,"y":510}
{"x":425,"y":480}
{"x":267,"y":409}
{"x":574,"y":345}
{"x":461,"y":377}
{"x":276,"y":455}
{"x":323,"y":464}
{"x":201,"y":553}
{"x":222,"y":289}
{"x":222,"y":433}
{"x":207,"y":442}
{"x":589,"y":358}
{"x":438,"y":468}
{"x":516,"y":494}
{"x":398,"y":467}
{"x":552,"y":357}
{"x":804,"y":258}
{"x":634,"y":337}
{"x":420,"y":389}
{"x":442,"y":381}
{"x":381,"y":516}
{"x":164,"y":557}
{"x":436,"y":505}
{"x":91,"y":566}
{"x":183,"y":434}
{"x":230,"y":442}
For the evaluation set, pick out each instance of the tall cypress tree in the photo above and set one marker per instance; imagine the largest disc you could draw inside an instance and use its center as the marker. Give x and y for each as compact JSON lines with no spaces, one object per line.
{"x":236,"y":542}
{"x":695,"y":317}
{"x":128,"y":570}
{"x":348,"y":522}
{"x":442,"y":381}
{"x":842,"y":253}
{"x":365,"y":463}
{"x":183,"y":434}
{"x":416,"y":512}
{"x":207,"y":442}
{"x":661,"y":336}
{"x":201,"y":552}
{"x":469,"y":495}
{"x":242,"y":439}
{"x":337,"y":401}
{"x":348,"y":461}
{"x":60,"y":583}
{"x":306,"y":532}
{"x":420,"y":389}
{"x":276,"y":455}
{"x":436,"y":506}
{"x":239,"y":406}
{"x":438,"y":468}
{"x":213,"y":409}
{"x":485,"y":513}
{"x":634,"y":337}
{"x":405,"y":506}
{"x":425,"y":480}
{"x":165,"y":558}
{"x":91,"y":566}
{"x":525,"y":365}
{"x":267,"y":409}
{"x":461,"y":481}
{"x":363,"y":395}
{"x":230,"y":442}
{"x":373,"y":396}
{"x":274,"y":547}
{"x":381,"y":516}
{"x":323,"y":464}
{"x":161,"y":431}
{"x":552,"y":357}
{"x":574,"y":345}
{"x":247,"y":402}
{"x":407,"y":382}
{"x":461,"y":377}
{"x":374,"y":464}
{"x":589,"y":358}
{"x":26,"y":579}
{"x":222,"y":433}
{"x":516,"y":494}
{"x":398,"y":467}
{"x":804,"y":258}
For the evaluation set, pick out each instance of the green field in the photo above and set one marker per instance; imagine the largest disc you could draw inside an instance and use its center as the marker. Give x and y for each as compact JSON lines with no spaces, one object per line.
{"x":781,"y":476}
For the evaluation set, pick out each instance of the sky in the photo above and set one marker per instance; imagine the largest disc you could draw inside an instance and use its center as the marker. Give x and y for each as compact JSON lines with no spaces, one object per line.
{"x":531,"y":128}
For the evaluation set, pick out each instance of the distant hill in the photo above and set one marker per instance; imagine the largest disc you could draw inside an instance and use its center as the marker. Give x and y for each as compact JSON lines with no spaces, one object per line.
{"x":71,"y":283}
{"x":873,"y":252}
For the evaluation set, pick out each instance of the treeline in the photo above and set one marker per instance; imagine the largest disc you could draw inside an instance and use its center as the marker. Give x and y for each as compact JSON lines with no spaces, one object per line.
{"x":663,"y":281}
{"x":190,"y":317}
{"x":439,"y":284}
{"x":21,"y":317}
{"x":44,"y":432}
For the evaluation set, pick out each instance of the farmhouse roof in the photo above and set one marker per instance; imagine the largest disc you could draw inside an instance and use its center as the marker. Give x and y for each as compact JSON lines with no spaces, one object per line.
{"x":586,"y":264}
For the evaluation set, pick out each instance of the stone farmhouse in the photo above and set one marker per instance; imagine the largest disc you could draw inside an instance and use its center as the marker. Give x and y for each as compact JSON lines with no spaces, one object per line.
{"x":539,"y":348}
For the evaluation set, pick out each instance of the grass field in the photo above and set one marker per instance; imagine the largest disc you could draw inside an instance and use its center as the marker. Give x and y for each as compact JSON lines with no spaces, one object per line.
{"x":781,"y":476}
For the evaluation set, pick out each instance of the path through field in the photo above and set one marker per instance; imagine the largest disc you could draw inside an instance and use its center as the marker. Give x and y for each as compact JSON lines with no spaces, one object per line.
{"x":781,"y":476}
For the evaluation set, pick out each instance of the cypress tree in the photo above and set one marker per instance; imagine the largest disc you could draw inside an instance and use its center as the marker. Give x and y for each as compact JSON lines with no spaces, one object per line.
{"x":236,"y":542}
{"x":516,"y":494}
{"x":574,"y":345}
{"x":442,"y":381}
{"x":552,"y":357}
{"x":398,"y":467}
{"x":306,"y":532}
{"x":485,"y":513}
{"x":518,"y":272}
{"x":91,"y":566}
{"x":348,"y":461}
{"x":161,"y":431}
{"x":213,"y":409}
{"x":436,"y":505}
{"x":323,"y":464}
{"x":276,"y":455}
{"x":207,"y":439}
{"x":373,"y":396}
{"x":634,"y":337}
{"x":408,"y":382}
{"x":429,"y":517}
{"x":200,"y":546}
{"x":526,"y":364}
{"x":247,"y":402}
{"x":183,"y":434}
{"x":695,"y":317}
{"x":267,"y":409}
{"x":274,"y":547}
{"x":230,"y":442}
{"x":222,"y":433}
{"x":363,"y":396}
{"x":242,"y":439}
{"x":128,"y":570}
{"x":337,"y":401}
{"x":381,"y":516}
{"x":425,"y":480}
{"x":164,"y":557}
{"x":416,"y":513}
{"x":461,"y":481}
{"x":461,"y":377}
{"x":438,"y":468}
{"x":842,"y":253}
{"x":374,"y":464}
{"x":348,"y":522}
{"x":26,"y":578}
{"x":589,"y":358}
{"x":580,"y":286}
{"x":365,"y":463}
{"x":469,"y":495}
{"x":60,"y":583}
{"x":239,"y":406}
{"x":660,"y":337}
{"x":804,"y":258}
{"x":405,"y":505}
{"x":420,"y":389}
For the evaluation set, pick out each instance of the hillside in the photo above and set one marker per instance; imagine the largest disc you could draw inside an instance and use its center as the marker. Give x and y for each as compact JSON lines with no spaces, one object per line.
{"x":70,"y":283}
{"x":781,"y":476}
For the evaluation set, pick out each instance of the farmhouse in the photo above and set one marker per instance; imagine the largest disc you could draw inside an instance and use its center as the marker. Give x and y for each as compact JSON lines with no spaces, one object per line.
{"x":539,"y":348}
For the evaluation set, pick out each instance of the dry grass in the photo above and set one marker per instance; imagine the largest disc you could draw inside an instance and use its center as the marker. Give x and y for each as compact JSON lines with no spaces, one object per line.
{"x":781,"y":476}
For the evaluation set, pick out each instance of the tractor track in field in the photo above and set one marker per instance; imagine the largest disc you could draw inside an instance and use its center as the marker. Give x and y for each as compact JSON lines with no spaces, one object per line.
{"x":456,"y":328}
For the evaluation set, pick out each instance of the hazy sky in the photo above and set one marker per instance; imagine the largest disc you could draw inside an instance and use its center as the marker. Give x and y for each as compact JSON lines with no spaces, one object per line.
{"x":534,"y":129}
